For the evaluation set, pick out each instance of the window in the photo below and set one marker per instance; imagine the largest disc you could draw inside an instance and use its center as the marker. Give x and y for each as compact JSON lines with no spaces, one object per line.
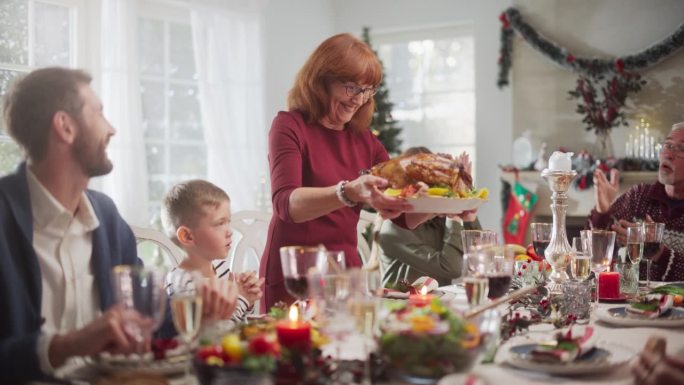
{"x":431,"y":79}
{"x":174,"y":138}
{"x":33,"y":34}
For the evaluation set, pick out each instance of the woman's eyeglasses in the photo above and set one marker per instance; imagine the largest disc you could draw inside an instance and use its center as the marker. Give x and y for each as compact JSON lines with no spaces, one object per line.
{"x":671,"y":147}
{"x":355,"y":90}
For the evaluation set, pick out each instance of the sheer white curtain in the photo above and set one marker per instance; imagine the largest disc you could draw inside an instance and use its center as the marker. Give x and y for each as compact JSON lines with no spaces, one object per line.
{"x":120,"y":94}
{"x":227,"y":41}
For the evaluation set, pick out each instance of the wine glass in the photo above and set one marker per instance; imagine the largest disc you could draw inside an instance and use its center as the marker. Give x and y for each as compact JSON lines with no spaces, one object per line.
{"x":635,"y":243}
{"x":600,"y":244}
{"x":541,"y":237}
{"x":331,"y":293}
{"x":580,"y":266}
{"x":186,"y":306}
{"x":653,"y":242}
{"x":298,"y":261}
{"x":472,"y":239}
{"x":495,"y":263}
{"x":140,"y":293}
{"x":364,"y":305}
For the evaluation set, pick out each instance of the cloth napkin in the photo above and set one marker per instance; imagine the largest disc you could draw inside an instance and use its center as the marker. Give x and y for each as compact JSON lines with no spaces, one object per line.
{"x":567,"y":347}
{"x":652,"y":305}
{"x":430,"y":284}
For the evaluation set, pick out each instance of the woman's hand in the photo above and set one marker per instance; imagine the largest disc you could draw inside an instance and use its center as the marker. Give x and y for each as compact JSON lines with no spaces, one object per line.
{"x":606,"y":191}
{"x":366,"y":189}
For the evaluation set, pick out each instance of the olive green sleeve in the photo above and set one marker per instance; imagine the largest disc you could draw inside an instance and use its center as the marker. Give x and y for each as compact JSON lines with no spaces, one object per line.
{"x":439,"y":256}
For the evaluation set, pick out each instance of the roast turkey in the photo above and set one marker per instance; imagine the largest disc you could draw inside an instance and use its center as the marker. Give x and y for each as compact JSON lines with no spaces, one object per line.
{"x":431,"y":169}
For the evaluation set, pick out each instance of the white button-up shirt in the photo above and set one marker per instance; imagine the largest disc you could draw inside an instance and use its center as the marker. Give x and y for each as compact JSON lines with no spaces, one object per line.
{"x":63,"y":243}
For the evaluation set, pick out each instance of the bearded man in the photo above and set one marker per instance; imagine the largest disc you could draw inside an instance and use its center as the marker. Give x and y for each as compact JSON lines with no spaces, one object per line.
{"x":661,"y":201}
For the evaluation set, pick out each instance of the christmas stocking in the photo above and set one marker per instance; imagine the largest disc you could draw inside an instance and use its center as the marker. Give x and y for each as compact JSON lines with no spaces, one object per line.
{"x":520,"y":204}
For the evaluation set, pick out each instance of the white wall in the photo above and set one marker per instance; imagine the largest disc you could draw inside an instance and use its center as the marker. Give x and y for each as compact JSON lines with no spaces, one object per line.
{"x":606,"y":28}
{"x":292,"y":29}
{"x":351,"y":15}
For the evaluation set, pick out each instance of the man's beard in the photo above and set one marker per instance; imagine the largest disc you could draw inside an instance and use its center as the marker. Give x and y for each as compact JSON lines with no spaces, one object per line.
{"x":91,"y":155}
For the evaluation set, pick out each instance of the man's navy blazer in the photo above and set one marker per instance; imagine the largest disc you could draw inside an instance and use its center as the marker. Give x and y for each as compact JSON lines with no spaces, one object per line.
{"x":20,"y":277}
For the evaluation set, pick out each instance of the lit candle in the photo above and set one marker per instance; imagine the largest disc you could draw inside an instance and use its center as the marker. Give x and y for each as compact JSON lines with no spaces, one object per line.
{"x":609,"y":285}
{"x":560,"y":161}
{"x":422,"y":299}
{"x":293,"y":333}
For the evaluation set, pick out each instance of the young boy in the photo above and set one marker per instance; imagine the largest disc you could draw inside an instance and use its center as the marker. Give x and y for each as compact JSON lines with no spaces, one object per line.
{"x":196,"y":216}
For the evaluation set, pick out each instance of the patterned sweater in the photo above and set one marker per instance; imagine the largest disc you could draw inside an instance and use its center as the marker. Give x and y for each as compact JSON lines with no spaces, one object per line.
{"x":651,"y":199}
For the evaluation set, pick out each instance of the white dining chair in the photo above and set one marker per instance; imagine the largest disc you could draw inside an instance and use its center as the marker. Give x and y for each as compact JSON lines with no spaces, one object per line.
{"x":169,"y":251}
{"x":250,"y":229}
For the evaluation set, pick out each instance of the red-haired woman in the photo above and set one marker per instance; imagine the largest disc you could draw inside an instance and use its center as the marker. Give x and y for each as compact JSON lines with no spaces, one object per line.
{"x":316,"y":152}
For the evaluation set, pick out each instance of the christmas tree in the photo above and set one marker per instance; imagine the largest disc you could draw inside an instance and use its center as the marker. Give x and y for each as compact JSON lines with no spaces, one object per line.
{"x":383,"y":125}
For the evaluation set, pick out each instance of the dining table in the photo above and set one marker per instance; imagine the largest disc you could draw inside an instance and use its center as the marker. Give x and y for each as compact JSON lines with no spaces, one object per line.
{"x":628,"y":341}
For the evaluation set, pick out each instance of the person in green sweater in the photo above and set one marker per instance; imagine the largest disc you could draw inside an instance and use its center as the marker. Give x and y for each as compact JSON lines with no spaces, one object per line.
{"x":432,"y":249}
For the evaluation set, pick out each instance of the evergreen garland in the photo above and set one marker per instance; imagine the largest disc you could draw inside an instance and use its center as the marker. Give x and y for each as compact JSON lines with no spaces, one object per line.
{"x":511,"y":20}
{"x":383,"y":125}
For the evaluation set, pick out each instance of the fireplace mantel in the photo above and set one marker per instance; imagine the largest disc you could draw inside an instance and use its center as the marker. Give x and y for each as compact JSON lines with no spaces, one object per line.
{"x":580,"y":203}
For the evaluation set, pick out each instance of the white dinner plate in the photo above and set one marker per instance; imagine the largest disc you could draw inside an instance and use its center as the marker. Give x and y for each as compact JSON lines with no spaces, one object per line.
{"x":619,"y":316}
{"x":605,"y":357}
{"x":443,"y":295}
{"x":442,"y":205}
{"x":168,"y":366}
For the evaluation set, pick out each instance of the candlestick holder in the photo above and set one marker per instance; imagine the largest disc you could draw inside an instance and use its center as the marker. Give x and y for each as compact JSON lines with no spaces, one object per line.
{"x":558,"y":254}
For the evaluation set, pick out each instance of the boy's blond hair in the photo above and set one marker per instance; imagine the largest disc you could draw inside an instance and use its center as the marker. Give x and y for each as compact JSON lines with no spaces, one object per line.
{"x":184,"y":204}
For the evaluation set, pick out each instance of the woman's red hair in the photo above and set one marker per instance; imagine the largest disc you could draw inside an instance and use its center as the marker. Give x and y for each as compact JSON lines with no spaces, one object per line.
{"x":342,"y":57}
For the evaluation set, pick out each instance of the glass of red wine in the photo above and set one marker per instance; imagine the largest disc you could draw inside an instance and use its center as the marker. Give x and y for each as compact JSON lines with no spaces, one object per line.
{"x":653,"y":242}
{"x":541,"y":237}
{"x":299,"y":261}
{"x":495,"y":263}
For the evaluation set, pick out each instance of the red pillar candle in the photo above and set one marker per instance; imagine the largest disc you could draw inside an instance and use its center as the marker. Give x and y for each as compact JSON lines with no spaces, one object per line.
{"x":422,"y":299}
{"x":609,"y":285}
{"x":292,"y":333}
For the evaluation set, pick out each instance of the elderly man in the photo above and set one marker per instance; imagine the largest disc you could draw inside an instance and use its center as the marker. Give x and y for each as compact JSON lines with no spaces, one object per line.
{"x":662,"y":201}
{"x":59,"y":240}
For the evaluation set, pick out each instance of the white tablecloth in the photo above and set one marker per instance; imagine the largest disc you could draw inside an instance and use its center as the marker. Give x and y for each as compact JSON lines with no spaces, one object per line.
{"x":632,"y":339}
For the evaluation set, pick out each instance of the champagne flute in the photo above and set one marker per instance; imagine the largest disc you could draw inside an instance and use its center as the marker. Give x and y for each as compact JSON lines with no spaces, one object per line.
{"x":600,"y":244}
{"x":186,"y":307}
{"x":140,"y":292}
{"x":475,"y":283}
{"x":580,"y":266}
{"x":635,"y":243}
{"x":653,"y":242}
